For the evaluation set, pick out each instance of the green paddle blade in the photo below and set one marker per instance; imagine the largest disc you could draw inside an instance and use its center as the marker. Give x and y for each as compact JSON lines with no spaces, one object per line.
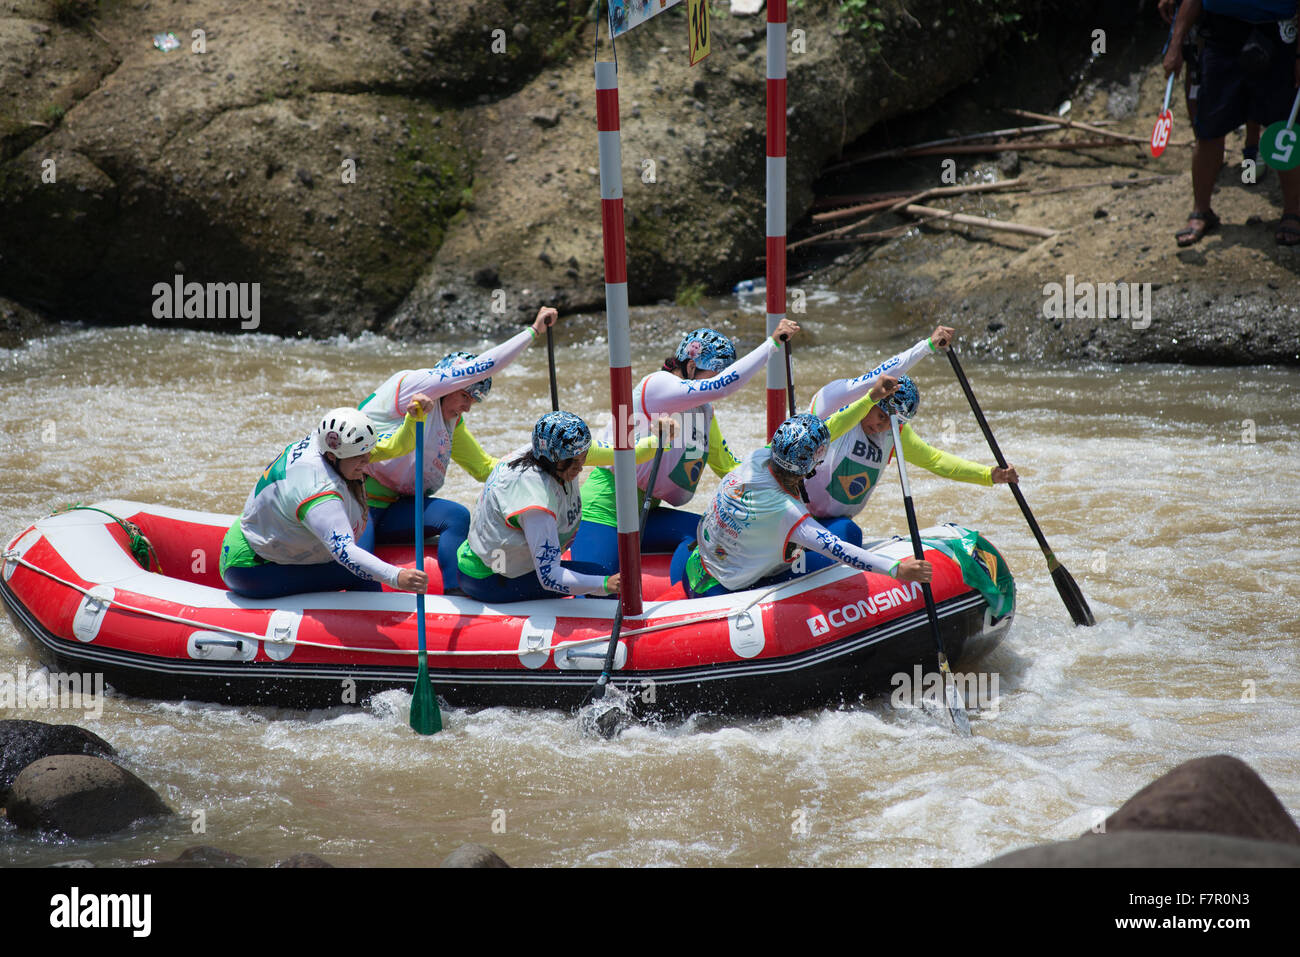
{"x":426,"y":718}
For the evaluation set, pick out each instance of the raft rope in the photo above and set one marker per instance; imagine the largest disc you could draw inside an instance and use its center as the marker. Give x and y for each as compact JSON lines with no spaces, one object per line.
{"x":141,"y":548}
{"x":721,"y":614}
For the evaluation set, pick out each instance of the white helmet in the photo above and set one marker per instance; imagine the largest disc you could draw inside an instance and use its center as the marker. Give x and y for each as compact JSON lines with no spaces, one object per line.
{"x":345,"y":432}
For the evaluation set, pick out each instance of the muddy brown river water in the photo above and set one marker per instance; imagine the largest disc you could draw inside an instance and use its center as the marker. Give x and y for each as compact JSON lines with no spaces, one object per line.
{"x":1169,"y":492}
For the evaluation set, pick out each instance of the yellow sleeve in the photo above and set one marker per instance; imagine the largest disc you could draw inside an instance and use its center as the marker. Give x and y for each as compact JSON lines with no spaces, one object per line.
{"x":942,"y":464}
{"x":396,"y":444}
{"x":601,"y":455}
{"x":845,"y":419}
{"x":468,"y":454}
{"x":720,"y":458}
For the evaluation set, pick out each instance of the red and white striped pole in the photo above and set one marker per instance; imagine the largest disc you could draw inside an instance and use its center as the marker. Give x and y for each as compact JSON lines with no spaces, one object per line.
{"x":616,"y":321}
{"x":776,"y":32}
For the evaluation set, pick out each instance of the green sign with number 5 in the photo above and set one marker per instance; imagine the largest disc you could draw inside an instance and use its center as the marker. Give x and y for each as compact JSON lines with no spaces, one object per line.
{"x":1279,"y":147}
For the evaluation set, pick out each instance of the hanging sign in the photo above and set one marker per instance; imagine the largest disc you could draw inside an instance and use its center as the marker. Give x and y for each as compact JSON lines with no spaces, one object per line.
{"x":626,"y":14}
{"x":698,"y":24}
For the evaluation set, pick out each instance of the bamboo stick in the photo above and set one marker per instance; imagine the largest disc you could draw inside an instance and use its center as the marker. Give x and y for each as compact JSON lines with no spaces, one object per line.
{"x":931,"y":213}
{"x":928,"y":194}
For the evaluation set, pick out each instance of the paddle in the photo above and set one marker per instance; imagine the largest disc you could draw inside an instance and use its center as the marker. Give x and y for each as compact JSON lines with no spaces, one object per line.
{"x":956,"y":707}
{"x":1065,"y":584}
{"x":1278,"y":144}
{"x":550,"y":359}
{"x":426,"y":718}
{"x":1165,"y":121}
{"x":598,"y":691}
{"x":789,"y":392}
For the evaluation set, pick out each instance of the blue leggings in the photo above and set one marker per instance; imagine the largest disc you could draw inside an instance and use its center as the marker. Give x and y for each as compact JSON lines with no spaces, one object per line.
{"x":274,"y":581}
{"x":842,"y":526}
{"x":665,"y":529}
{"x":526,"y":587}
{"x":395,"y":525}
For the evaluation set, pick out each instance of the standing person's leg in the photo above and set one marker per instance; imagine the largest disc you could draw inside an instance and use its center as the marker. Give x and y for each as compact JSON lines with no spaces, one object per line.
{"x":1288,"y":229}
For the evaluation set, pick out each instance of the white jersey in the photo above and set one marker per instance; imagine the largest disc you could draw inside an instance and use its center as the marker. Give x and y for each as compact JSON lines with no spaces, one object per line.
{"x":841,"y":393}
{"x":495,"y":535}
{"x":386,"y":408}
{"x":399,"y":473}
{"x":272,"y":516}
{"x":848,"y":475}
{"x":745,"y":533}
{"x":690,"y":401}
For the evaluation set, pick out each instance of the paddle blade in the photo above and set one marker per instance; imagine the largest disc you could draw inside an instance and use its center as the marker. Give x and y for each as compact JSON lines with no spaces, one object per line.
{"x":1072,"y":596}
{"x":1160,"y":134}
{"x":956,"y":707}
{"x":426,"y":717}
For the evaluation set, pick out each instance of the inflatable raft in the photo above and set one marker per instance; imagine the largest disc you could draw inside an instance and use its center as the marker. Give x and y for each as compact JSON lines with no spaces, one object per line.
{"x":157,"y":622}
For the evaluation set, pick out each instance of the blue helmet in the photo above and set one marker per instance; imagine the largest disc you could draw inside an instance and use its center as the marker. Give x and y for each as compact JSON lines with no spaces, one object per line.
{"x":799,"y":444}
{"x":904,"y":402}
{"x":463,"y":360}
{"x":560,"y":435}
{"x":712,"y":351}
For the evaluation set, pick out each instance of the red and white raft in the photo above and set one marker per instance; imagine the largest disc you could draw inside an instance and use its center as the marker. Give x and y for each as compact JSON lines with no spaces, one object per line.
{"x":72,"y":586}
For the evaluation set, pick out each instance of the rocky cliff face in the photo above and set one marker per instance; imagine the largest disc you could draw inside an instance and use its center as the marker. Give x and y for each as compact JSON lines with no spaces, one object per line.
{"x":403,"y":165}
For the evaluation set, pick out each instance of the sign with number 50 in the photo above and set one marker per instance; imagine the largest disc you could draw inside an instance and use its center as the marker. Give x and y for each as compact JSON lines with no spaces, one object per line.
{"x":1160,"y":134}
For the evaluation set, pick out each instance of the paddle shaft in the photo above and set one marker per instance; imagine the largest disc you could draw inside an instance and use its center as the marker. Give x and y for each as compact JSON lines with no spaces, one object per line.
{"x":914,"y":530}
{"x":955,"y":707}
{"x":603,"y":680}
{"x":550,"y":361}
{"x":1052,"y":563}
{"x":419,"y":539}
{"x":789,"y":395}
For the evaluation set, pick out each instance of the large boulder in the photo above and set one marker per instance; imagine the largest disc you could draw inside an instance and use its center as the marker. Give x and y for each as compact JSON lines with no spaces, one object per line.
{"x":1215,"y":795}
{"x":22,"y":742}
{"x":80,"y":796}
{"x":473,"y":855}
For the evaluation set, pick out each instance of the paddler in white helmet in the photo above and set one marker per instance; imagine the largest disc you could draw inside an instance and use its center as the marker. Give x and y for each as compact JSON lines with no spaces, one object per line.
{"x":456,"y":383}
{"x":298,"y":530}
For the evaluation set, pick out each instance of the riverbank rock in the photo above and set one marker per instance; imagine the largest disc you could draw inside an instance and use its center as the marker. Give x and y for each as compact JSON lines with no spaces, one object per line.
{"x":1216,"y":795}
{"x":402,"y":168}
{"x":473,"y":855}
{"x":22,"y":742}
{"x":80,"y":796}
{"x":1153,"y":849}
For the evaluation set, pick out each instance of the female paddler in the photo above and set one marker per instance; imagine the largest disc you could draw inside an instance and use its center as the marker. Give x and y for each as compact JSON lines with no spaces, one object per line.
{"x":526,"y":516}
{"x":455,"y":383}
{"x":863,"y":444}
{"x":703,"y":370}
{"x":298,"y":530}
{"x":757,"y":523}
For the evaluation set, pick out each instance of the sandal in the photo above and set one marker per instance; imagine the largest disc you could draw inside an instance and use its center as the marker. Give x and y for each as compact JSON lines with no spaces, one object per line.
{"x":1191,"y":234}
{"x":1286,"y":235}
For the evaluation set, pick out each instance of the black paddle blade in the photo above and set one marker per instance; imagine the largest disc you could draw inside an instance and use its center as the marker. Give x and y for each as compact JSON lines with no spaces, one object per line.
{"x":1072,"y":596}
{"x":952,"y":697}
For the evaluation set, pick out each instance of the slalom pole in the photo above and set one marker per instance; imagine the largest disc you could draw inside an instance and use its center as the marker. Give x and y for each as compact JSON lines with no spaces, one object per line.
{"x":776,"y":218}
{"x":618,"y":333}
